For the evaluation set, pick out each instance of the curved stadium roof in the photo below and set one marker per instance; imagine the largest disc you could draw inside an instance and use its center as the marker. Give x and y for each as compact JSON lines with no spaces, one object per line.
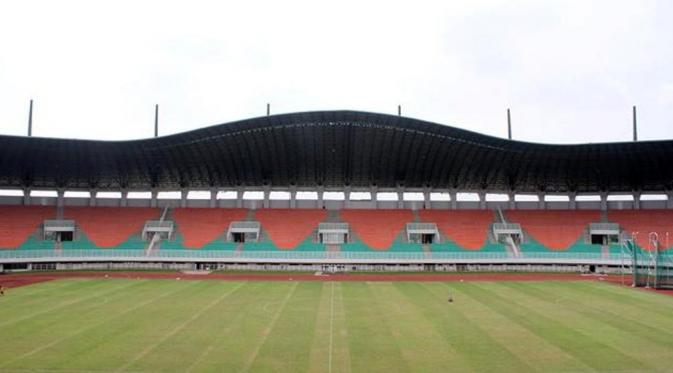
{"x":335,"y":149}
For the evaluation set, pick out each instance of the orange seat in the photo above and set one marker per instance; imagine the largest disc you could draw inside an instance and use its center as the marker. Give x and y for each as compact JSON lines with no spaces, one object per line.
{"x":287,"y":228}
{"x":19,"y":222}
{"x":199,"y":226}
{"x":467,"y":228}
{"x":555,"y":229}
{"x":644,"y":222}
{"x":110,"y":226}
{"x":377,"y":228}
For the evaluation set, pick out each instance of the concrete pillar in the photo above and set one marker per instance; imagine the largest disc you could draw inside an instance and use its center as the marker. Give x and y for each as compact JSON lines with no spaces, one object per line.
{"x":347,"y":196}
{"x":454,"y":199}
{"x":321,"y":202}
{"x":26,"y":196}
{"x":59,"y":198}
{"x":92,"y":197}
{"x":267,"y":191}
{"x":541,"y":204}
{"x":183,"y":198}
{"x":572,"y":200}
{"x":123,"y":202}
{"x":372,"y":192}
{"x":400,"y":197}
{"x":293,"y":197}
{"x":669,"y":202}
{"x":636,"y":200}
{"x":239,"y":197}
{"x":427,"y":204}
{"x":213,"y":198}
{"x":604,"y":201}
{"x":512,"y":201}
{"x":482,"y":200}
{"x":153,"y":198}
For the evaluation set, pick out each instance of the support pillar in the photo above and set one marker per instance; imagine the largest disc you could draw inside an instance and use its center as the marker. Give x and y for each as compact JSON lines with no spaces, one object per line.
{"x":541,"y":204}
{"x":321,"y":202}
{"x":153,"y":198}
{"x":239,"y":197}
{"x":183,"y":198}
{"x":293,"y":197}
{"x":512,"y":201}
{"x":372,"y":192}
{"x":26,"y":197}
{"x":427,"y":204}
{"x":604,"y":201}
{"x":669,"y":201}
{"x":267,"y":192}
{"x":123,"y":201}
{"x":347,"y":196}
{"x":482,"y":200}
{"x":400,"y":198}
{"x":572,"y":200}
{"x":92,"y":197}
{"x":213,"y":198}
{"x":636,"y":200}
{"x":59,"y":198}
{"x":454,"y":199}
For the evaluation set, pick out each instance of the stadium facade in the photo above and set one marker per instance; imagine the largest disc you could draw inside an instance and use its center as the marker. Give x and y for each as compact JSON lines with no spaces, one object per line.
{"x":354,"y":190}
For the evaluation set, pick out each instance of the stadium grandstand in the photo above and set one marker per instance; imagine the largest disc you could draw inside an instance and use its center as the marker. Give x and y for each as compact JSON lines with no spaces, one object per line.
{"x":337,"y":191}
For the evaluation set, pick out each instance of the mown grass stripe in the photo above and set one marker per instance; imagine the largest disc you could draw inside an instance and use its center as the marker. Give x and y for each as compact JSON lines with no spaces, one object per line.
{"x":586,"y":348}
{"x":471,"y":342}
{"x":372,"y":347}
{"x":535,"y":351}
{"x":87,"y":327}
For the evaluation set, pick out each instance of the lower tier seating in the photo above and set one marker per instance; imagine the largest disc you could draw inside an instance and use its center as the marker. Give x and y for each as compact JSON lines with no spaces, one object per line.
{"x":17,"y":223}
{"x":643,"y":222}
{"x":200,"y":226}
{"x":555,"y":229}
{"x":378,"y":229}
{"x":110,"y":226}
{"x":287,"y":228}
{"x":467,"y":228}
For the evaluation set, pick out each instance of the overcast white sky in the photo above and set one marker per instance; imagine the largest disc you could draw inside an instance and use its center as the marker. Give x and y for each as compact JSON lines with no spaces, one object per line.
{"x":569,"y":70}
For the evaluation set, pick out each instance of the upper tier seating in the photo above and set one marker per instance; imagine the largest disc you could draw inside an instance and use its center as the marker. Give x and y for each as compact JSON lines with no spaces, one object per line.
{"x":199,"y":226}
{"x":555,"y":229}
{"x":287,"y":228}
{"x":110,"y":226}
{"x":644,"y":222}
{"x":377,"y":228}
{"x":467,"y":228}
{"x":19,"y":222}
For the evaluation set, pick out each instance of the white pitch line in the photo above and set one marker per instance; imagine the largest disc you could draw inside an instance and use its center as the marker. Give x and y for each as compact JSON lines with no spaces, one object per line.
{"x":331,"y":330}
{"x":178,"y":328}
{"x":248,"y":364}
{"x":88,"y":327}
{"x":63,"y":305}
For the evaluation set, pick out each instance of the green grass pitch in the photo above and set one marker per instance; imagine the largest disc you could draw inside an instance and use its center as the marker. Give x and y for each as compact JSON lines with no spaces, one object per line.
{"x":192,"y":326}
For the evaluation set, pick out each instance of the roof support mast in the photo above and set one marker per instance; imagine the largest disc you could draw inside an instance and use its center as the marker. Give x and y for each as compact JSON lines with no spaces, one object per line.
{"x":399,"y":110}
{"x":30,"y":119}
{"x":268,"y":109}
{"x":635,"y":124}
{"x":509,"y":125}
{"x":156,"y":120}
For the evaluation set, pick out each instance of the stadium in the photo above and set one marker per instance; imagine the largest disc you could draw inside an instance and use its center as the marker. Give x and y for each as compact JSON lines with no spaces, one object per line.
{"x":331,"y":241}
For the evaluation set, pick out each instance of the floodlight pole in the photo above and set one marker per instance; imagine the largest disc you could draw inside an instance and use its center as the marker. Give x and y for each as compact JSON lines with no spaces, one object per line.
{"x":156,"y":120}
{"x":399,"y":110}
{"x":635,"y":124}
{"x":30,"y":118}
{"x":509,"y":125}
{"x":268,"y":109}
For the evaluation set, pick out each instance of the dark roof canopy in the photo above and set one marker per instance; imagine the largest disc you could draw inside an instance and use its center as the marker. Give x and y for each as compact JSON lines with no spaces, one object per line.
{"x":335,"y":149}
